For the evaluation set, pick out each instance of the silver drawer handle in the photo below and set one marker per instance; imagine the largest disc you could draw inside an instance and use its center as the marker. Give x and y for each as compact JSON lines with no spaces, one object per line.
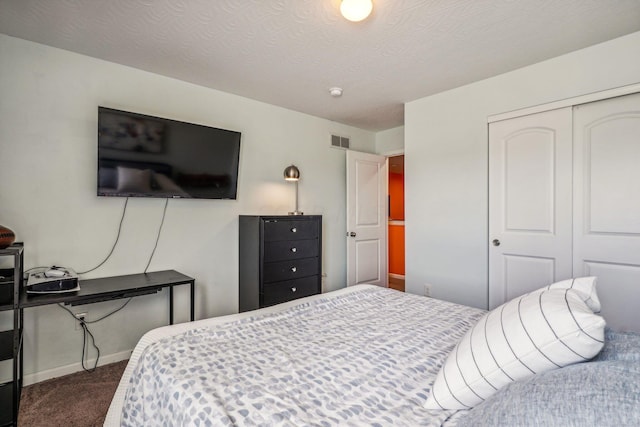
{"x":294,"y":230}
{"x":294,"y":250}
{"x":294,"y":289}
{"x":294,"y":269}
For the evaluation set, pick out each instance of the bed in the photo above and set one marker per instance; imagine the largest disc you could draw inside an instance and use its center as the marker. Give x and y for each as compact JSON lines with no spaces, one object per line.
{"x":363,"y":355}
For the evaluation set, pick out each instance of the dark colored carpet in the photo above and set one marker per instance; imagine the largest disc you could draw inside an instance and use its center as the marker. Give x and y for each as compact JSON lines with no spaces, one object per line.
{"x":77,"y":400}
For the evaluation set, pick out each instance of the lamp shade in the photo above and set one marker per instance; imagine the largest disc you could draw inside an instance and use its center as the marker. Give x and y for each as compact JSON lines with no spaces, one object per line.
{"x":291,"y":173}
{"x":356,"y":10}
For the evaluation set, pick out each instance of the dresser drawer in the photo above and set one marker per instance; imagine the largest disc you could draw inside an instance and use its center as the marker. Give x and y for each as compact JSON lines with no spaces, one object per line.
{"x":292,"y":249}
{"x":288,"y":270}
{"x":275,"y":293}
{"x":290,"y":230}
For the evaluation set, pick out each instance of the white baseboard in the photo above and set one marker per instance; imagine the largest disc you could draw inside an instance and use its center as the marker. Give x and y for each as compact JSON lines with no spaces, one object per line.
{"x":75,"y":367}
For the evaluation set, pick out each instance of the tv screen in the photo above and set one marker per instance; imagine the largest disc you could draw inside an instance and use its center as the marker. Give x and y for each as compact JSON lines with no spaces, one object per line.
{"x":145,"y":156}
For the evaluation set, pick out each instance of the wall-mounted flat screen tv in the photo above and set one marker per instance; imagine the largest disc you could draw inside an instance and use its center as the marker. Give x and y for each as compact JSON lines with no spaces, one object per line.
{"x":145,"y":156}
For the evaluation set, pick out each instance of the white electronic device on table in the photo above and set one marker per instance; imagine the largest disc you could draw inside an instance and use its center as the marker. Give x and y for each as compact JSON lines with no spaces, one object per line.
{"x":50,"y":280}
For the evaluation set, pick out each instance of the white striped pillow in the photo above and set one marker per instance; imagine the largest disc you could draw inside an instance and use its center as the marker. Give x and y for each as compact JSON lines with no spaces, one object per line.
{"x":584,"y":286}
{"x":530,"y":334}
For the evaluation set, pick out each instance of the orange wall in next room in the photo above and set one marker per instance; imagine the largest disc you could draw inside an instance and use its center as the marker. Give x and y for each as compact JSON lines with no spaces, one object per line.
{"x":396,"y":232}
{"x":396,"y":193}
{"x":396,"y":249}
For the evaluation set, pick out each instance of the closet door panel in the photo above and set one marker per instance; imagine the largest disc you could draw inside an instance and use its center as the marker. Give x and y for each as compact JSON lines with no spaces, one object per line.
{"x":617,"y":283}
{"x":525,"y":273}
{"x":607,"y":203}
{"x":611,"y":158}
{"x":529,"y":203}
{"x":530,"y":172}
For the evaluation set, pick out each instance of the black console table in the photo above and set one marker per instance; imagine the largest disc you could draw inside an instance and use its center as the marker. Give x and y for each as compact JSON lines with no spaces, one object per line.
{"x":116,"y":287}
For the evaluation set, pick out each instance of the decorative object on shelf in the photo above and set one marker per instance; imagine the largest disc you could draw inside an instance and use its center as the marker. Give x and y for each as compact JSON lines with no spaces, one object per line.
{"x":7,"y":237}
{"x":292,"y":173}
{"x":356,"y":10}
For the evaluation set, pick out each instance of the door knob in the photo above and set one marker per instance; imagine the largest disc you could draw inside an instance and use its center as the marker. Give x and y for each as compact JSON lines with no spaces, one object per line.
{"x":294,"y":249}
{"x":351,"y":234}
{"x":294,"y":269}
{"x":496,"y":242}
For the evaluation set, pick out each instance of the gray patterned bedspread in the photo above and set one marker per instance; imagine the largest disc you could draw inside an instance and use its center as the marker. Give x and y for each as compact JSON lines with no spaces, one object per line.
{"x":363,"y":358}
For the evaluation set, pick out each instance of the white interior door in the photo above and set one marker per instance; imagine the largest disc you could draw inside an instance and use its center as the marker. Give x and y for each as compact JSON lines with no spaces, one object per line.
{"x":366,"y":219}
{"x":607,"y":204}
{"x":530,"y":164}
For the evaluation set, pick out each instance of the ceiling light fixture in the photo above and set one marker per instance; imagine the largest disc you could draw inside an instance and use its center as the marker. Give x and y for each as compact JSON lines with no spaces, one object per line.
{"x":356,"y":10}
{"x":335,"y":92}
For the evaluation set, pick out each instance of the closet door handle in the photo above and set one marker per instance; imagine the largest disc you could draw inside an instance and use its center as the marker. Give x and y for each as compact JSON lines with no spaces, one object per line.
{"x":294,"y":250}
{"x":496,"y":242}
{"x":294,"y":289}
{"x":294,"y":269}
{"x":294,"y":230}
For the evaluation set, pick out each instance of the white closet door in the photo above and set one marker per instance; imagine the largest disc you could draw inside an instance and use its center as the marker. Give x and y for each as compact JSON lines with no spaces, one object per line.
{"x":607,"y":204}
{"x":530,"y":172}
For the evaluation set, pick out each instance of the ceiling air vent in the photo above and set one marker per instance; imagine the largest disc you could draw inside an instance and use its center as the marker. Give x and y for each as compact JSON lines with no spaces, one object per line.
{"x":339,"y":141}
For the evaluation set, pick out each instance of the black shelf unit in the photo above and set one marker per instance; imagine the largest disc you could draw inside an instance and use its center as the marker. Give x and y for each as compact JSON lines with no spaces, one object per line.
{"x":11,"y":283}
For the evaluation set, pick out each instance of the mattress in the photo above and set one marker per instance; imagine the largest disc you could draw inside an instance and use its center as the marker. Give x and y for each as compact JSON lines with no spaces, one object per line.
{"x":363,"y":355}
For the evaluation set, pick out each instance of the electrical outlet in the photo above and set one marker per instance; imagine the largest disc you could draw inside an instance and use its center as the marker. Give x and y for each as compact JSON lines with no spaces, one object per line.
{"x":427,"y":290}
{"x":79,"y":316}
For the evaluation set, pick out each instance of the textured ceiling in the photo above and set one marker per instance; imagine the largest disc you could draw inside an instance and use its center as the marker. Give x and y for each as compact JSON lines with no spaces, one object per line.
{"x":290,"y":52}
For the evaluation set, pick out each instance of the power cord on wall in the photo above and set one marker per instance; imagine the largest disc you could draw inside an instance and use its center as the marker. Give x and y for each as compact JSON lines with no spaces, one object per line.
{"x":115,"y":243}
{"x":124,"y":211}
{"x":164,"y":212}
{"x":86,"y":331}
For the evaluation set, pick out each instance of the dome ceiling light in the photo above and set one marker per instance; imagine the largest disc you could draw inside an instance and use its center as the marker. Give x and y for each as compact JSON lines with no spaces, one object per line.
{"x":336,"y":92}
{"x":356,"y":10}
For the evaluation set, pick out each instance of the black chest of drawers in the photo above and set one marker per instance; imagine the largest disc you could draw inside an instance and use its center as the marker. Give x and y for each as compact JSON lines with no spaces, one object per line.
{"x":280,"y":259}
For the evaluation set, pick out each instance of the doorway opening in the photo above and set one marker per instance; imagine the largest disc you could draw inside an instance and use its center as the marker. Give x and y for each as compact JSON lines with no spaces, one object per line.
{"x":395,"y":219}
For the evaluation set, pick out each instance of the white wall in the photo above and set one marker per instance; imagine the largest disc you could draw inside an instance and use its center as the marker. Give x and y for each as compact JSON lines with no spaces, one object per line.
{"x":48,"y":142}
{"x":446,"y":150}
{"x":390,"y":141}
